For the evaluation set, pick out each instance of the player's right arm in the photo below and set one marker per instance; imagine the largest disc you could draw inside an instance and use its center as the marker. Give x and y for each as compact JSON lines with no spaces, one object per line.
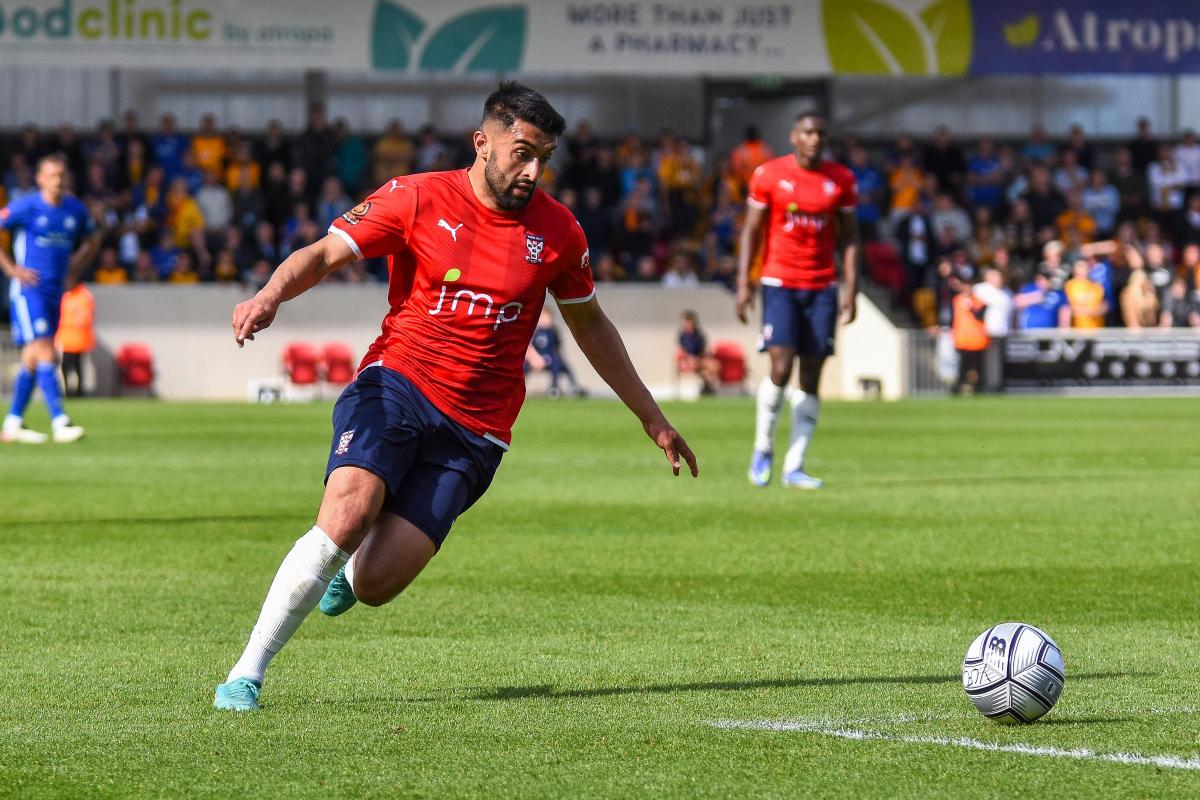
{"x":11,"y":218}
{"x":375,"y":227}
{"x":757,"y":205}
{"x":299,"y":272}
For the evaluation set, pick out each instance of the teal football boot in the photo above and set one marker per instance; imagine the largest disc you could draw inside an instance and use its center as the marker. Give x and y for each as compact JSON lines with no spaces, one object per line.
{"x":339,"y":597}
{"x":240,"y":694}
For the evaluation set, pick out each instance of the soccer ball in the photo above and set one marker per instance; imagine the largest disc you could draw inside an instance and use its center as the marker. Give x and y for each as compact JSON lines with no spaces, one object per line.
{"x":1013,"y":673}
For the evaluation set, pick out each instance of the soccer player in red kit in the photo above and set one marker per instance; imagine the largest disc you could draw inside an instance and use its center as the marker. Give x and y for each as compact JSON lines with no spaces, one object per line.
{"x":806,"y":208}
{"x":419,"y":433}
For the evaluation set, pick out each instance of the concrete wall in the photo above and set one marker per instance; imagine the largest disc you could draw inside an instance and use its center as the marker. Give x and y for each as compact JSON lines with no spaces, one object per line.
{"x":189,"y":330}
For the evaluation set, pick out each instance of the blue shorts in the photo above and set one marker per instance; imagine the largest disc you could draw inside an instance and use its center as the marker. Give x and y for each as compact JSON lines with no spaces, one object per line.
{"x":434,"y":468}
{"x":34,"y":313}
{"x":803,"y":319}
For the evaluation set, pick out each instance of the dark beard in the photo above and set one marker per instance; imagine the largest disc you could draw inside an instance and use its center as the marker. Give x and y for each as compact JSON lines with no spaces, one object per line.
{"x":503,"y":195}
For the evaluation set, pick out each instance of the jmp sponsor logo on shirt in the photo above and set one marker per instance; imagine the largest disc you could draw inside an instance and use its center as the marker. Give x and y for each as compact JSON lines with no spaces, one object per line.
{"x":470,"y":300}
{"x":795,"y":219}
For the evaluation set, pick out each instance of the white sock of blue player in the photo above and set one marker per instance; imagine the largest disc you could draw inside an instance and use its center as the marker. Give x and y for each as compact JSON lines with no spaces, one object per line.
{"x":22,"y":391}
{"x":298,"y":586}
{"x":770,"y":399}
{"x":805,"y":410}
{"x":47,"y":380}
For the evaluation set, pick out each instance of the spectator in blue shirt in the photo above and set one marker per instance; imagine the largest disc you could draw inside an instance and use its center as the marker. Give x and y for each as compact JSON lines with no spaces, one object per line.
{"x":1103,"y":202}
{"x":1040,"y":305}
{"x":985,"y":176}
{"x":870,"y":192}
{"x":168,"y":147}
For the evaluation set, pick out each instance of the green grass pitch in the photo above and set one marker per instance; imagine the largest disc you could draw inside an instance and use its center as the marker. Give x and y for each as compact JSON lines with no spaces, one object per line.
{"x":591,"y":617}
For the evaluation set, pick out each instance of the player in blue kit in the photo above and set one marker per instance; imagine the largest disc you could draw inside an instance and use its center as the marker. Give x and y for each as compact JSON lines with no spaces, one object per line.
{"x":53,"y":236}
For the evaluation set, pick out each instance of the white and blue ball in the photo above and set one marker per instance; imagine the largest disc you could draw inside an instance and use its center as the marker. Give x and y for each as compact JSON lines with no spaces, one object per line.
{"x":1013,"y":673}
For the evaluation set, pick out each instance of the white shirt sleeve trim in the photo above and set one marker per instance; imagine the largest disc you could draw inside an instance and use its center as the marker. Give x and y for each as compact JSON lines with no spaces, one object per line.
{"x":347,"y":239}
{"x":571,"y":301}
{"x":750,"y":201}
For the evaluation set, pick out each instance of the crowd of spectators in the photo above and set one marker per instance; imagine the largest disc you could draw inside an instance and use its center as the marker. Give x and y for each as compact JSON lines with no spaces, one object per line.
{"x":1078,"y":235}
{"x":1051,"y":218}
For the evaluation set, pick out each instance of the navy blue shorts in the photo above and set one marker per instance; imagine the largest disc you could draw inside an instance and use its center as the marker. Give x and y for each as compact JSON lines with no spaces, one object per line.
{"x":803,"y":319}
{"x":434,"y":468}
{"x":33,"y":313}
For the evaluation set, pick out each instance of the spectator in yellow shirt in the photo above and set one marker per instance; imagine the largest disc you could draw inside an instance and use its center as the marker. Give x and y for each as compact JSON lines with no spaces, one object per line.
{"x":1075,"y":219}
{"x":183,"y":215}
{"x":906,"y":181}
{"x":1086,"y":298}
{"x":109,"y":271}
{"x":243,"y":171}
{"x":208,"y":147}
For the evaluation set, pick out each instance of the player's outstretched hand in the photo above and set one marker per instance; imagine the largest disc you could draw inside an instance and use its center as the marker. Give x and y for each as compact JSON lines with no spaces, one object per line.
{"x":673,"y":445}
{"x":252,"y":316}
{"x":745,"y":302}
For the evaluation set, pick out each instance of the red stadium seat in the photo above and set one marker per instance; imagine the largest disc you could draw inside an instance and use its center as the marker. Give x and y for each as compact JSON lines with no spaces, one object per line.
{"x":885,"y":266}
{"x":135,"y":362}
{"x":301,"y":363}
{"x":733,"y":363}
{"x":339,"y":363}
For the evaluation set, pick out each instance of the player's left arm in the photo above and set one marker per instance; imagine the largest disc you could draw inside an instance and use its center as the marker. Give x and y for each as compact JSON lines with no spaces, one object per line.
{"x":847,"y":236}
{"x":601,"y":344}
{"x":86,"y":251}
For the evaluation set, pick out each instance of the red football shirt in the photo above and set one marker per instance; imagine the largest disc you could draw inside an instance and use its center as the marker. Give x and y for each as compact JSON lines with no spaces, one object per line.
{"x":466,"y":287}
{"x":801,"y":208}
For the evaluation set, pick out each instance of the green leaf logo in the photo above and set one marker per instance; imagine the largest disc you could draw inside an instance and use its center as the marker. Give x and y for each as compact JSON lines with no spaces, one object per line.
{"x":488,"y":39}
{"x":1024,"y":33}
{"x":452,"y":275}
{"x":949,"y":23}
{"x":872,"y":37}
{"x":394,"y":39}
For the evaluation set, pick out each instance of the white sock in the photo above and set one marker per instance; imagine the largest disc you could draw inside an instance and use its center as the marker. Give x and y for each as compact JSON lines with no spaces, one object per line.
{"x":12,"y":422}
{"x":805,"y":410}
{"x":770,"y":398}
{"x":296,"y":590}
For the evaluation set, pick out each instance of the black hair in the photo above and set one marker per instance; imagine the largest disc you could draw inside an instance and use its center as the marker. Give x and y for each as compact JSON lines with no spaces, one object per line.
{"x":514,"y":101}
{"x":809,"y":112}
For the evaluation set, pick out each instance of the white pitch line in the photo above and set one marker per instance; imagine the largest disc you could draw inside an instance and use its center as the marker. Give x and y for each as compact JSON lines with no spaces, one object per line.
{"x":1167,"y":762}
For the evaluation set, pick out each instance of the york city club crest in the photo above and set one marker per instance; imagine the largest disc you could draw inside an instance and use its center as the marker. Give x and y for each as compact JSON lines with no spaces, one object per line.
{"x":534,"y":245}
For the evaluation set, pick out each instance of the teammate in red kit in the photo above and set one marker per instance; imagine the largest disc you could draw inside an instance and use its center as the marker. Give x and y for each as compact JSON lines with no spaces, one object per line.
{"x":419,"y":433}
{"x":806,"y":206}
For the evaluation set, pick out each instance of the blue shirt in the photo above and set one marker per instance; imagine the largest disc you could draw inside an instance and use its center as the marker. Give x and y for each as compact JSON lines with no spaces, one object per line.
{"x":869,"y":183}
{"x":1043,"y":314}
{"x":545,"y":342}
{"x":985,"y":194}
{"x":1102,"y":273}
{"x":46,"y":235}
{"x":168,"y":150}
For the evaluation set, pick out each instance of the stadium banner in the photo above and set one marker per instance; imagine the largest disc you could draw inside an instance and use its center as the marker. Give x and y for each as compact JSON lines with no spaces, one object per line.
{"x":1102,"y":359}
{"x":646,"y":37}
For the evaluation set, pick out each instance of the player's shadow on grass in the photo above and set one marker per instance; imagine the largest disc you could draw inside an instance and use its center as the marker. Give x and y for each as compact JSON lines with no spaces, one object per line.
{"x":548,"y":692}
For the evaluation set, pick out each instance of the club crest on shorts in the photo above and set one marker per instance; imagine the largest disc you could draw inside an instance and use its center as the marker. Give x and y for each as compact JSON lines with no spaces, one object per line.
{"x":534,"y":245}
{"x":830,"y":187}
{"x":344,"y":443}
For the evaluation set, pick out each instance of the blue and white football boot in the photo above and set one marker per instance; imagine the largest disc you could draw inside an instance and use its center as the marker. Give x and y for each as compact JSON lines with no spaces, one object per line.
{"x":799,"y":479}
{"x":760,"y":468}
